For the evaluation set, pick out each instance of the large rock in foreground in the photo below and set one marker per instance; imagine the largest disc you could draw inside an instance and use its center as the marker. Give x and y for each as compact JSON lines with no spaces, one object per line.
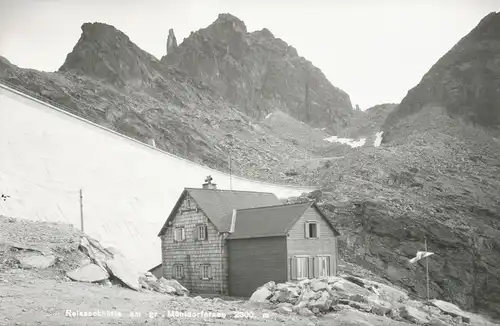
{"x":88,"y":273}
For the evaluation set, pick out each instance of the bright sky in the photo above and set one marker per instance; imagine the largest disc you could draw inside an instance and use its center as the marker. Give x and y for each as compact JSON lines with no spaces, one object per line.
{"x":374,"y":50}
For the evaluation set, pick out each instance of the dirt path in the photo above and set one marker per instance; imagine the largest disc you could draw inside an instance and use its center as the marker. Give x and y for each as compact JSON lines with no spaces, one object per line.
{"x":28,"y":300}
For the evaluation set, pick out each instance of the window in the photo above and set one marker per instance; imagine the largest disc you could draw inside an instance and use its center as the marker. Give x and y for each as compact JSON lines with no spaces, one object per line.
{"x":302,"y":267}
{"x":206,"y":272}
{"x":311,"y":230}
{"x":188,"y":202}
{"x":201,"y":232}
{"x":323,"y":266}
{"x":177,"y":271}
{"x":180,"y":234}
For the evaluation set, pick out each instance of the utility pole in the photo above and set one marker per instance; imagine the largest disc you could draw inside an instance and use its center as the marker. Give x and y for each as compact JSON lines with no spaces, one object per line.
{"x":81,"y":209}
{"x":427,"y":269}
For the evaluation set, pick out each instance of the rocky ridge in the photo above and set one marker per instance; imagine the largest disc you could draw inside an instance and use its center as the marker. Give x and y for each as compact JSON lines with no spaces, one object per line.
{"x":465,"y":81}
{"x":260,"y":73}
{"x":109,"y":80}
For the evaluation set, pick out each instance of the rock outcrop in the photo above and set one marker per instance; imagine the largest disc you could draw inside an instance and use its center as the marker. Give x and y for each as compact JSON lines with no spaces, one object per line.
{"x":465,"y":82}
{"x":260,"y":73}
{"x":105,"y":54}
{"x":333,"y":295}
{"x":171,"y":41}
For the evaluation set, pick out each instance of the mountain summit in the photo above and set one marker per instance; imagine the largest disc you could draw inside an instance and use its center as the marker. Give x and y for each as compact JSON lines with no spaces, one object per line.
{"x":260,"y":73}
{"x":464,"y":84}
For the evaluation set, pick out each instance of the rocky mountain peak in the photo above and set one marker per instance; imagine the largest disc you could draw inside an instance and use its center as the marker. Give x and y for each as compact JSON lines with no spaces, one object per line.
{"x":171,"y":41}
{"x":259,"y":73}
{"x":464,"y":83}
{"x":227,"y":20}
{"x":107,"y":54}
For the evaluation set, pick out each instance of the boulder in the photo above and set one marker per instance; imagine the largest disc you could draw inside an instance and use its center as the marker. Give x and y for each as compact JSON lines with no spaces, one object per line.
{"x":119,"y":269}
{"x":360,"y":306}
{"x":451,"y":309}
{"x":305,"y":312}
{"x":333,"y":279}
{"x":322,"y":303}
{"x":413,"y":315}
{"x":290,"y":295}
{"x":88,"y":273}
{"x":35,"y":259}
{"x":355,"y":280}
{"x":179,"y":289}
{"x":350,"y":288}
{"x":318,"y":285}
{"x":306,"y":295}
{"x":387,"y":292}
{"x":261,"y":295}
{"x":270,"y":286}
{"x":285,"y":310}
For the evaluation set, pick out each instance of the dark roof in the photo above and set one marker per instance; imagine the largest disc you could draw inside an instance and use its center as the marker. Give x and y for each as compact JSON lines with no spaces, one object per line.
{"x":271,"y":221}
{"x":217,"y":204}
{"x":152,"y":269}
{"x":267,"y":221}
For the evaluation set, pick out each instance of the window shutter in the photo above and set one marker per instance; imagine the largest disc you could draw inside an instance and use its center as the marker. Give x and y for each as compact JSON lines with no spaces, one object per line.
{"x":306,"y":230}
{"x":310,"y":263}
{"x":201,"y":272}
{"x":294,"y":268}
{"x":175,"y":235}
{"x":332,"y":270}
{"x":183,"y":234}
{"x":316,"y":266}
{"x":206,"y":232}
{"x":210,"y":272}
{"x":317,"y":230}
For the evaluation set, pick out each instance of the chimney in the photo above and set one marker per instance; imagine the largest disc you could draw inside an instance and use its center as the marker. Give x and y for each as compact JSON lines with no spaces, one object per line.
{"x":208,"y":183}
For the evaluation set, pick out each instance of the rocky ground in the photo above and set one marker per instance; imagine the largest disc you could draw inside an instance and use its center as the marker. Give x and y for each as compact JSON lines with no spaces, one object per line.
{"x":47,"y":291}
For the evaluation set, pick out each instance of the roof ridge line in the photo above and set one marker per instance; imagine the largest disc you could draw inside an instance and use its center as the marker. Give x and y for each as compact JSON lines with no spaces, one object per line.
{"x":281,"y":205}
{"x":227,"y":190}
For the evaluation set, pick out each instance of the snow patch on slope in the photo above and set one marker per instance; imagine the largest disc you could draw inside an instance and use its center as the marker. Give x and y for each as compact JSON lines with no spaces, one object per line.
{"x":378,"y":139}
{"x":347,"y":141}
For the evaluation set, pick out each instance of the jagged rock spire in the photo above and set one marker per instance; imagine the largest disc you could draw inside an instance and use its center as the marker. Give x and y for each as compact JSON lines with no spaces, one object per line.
{"x":171,"y":41}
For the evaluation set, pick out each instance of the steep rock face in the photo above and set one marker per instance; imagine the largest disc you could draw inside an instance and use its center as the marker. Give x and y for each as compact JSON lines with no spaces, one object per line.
{"x":435,"y":185}
{"x":260,"y":73}
{"x":106,"y":54}
{"x":465,"y":81}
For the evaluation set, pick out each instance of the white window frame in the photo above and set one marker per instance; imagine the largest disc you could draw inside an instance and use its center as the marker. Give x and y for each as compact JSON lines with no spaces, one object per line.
{"x":302,"y":267}
{"x":326,"y":260}
{"x":177,"y":271}
{"x":205,"y":271}
{"x":308,"y":229}
{"x":182,"y":234}
{"x":201,"y":231}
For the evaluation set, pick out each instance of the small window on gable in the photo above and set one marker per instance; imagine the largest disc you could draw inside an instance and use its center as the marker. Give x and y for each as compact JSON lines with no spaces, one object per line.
{"x":188,"y":202}
{"x":311,"y":230}
{"x":206,"y":272}
{"x":179,"y":234}
{"x":178,"y":271}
